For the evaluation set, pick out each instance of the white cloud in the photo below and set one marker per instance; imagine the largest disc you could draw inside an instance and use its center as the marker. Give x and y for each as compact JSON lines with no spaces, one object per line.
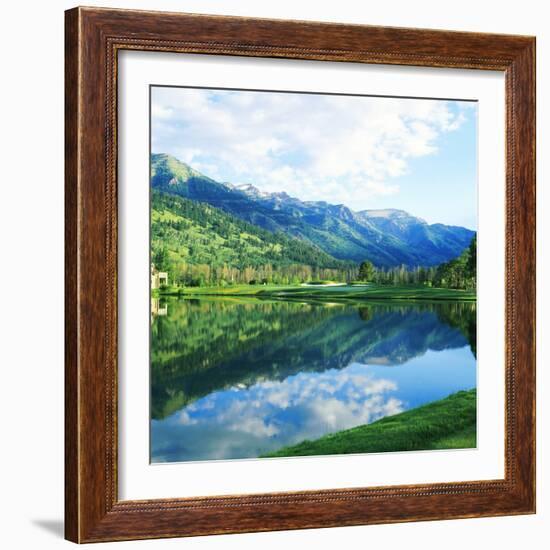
{"x":184,"y":418}
{"x":271,"y":414}
{"x":334,"y":148}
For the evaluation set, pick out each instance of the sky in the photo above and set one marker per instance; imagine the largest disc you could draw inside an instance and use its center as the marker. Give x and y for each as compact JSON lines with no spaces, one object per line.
{"x":417,"y":155}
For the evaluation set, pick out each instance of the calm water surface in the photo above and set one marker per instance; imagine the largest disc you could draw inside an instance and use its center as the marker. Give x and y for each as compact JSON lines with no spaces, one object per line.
{"x":240,"y":377}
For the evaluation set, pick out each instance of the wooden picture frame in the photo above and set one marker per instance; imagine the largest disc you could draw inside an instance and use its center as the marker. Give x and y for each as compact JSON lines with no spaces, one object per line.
{"x":93,"y":511}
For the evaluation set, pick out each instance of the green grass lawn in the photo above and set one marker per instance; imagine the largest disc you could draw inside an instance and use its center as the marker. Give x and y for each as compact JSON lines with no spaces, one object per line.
{"x":374,"y":292}
{"x":232,"y":290}
{"x":446,"y":424}
{"x":371,"y":292}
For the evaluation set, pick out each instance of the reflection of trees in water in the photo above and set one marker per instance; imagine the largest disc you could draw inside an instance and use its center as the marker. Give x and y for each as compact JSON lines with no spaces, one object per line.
{"x":462,"y":316}
{"x":365,"y":313}
{"x":207,"y":345}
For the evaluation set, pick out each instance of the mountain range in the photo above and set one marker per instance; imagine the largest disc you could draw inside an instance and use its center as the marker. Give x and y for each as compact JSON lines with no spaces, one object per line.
{"x":388,"y":238}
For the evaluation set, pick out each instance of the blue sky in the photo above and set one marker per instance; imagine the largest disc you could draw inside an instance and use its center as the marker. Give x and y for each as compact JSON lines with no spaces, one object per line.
{"x":366,"y":152}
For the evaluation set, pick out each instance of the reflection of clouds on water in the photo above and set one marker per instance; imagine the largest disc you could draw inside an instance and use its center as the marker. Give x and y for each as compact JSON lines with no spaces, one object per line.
{"x":245,"y":422}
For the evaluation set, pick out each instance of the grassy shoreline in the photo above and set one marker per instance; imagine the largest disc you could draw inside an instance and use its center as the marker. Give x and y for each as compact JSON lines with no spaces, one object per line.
{"x":449,"y":423}
{"x":350,"y":292}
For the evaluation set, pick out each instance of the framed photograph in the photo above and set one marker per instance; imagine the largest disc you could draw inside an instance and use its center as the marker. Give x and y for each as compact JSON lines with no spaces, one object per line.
{"x":300,"y":275}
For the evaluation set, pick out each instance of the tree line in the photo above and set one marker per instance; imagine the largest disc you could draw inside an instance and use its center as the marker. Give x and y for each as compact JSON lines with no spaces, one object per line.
{"x":194,"y":275}
{"x":459,"y":273}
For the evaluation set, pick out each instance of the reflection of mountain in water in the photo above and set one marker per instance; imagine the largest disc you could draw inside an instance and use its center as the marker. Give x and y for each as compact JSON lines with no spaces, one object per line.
{"x":206,"y":345}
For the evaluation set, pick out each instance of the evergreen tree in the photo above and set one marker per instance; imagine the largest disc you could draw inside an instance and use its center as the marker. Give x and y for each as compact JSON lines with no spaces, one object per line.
{"x":366,"y":271}
{"x":472,"y":260}
{"x":459,"y":273}
{"x":160,"y":259}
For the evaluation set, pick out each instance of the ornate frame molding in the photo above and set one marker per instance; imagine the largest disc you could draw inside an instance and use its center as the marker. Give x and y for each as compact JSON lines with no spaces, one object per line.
{"x":93,"y":38}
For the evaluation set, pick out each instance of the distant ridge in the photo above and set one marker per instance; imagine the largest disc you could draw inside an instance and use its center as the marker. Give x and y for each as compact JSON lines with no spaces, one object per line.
{"x":387,"y":237}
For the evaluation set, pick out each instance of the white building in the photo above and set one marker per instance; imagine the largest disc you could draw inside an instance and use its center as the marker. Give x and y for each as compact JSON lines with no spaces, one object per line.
{"x":158,"y":278}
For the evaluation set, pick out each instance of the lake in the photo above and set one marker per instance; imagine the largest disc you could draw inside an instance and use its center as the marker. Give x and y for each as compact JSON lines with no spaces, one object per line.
{"x":237,"y":377}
